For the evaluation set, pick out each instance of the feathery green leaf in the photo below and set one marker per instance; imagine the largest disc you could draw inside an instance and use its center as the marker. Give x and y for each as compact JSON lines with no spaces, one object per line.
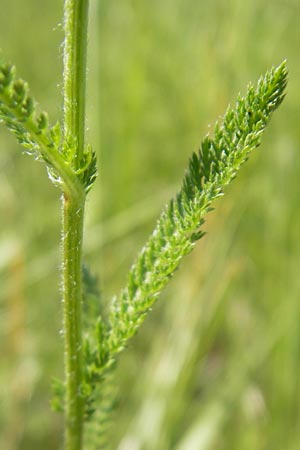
{"x":18,"y":111}
{"x":179,"y":226}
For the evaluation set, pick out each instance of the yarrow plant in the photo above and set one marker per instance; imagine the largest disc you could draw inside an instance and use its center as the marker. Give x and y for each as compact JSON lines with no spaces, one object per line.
{"x":71,"y":165}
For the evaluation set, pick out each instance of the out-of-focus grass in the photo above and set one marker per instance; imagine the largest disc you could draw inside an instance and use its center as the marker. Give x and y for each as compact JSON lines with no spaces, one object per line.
{"x":216,"y":366}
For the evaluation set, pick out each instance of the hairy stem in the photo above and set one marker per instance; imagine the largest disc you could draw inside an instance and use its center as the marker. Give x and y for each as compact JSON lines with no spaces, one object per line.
{"x":75,"y":25}
{"x":75,"y":50}
{"x":72,"y":296}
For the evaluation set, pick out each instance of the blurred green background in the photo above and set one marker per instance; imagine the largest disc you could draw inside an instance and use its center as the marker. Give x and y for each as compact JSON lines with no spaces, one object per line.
{"x":216,"y":366}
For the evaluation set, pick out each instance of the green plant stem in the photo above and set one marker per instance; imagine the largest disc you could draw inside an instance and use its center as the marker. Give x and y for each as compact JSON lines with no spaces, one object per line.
{"x":75,"y":51}
{"x":73,"y":212}
{"x":75,"y":26}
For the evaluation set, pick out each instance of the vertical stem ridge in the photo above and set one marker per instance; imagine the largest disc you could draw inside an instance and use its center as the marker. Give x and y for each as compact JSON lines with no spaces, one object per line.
{"x":73,"y":213}
{"x":75,"y":49}
{"x":75,"y":53}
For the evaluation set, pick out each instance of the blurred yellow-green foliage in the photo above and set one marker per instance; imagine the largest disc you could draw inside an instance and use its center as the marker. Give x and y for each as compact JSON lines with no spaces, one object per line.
{"x":217,"y":364}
